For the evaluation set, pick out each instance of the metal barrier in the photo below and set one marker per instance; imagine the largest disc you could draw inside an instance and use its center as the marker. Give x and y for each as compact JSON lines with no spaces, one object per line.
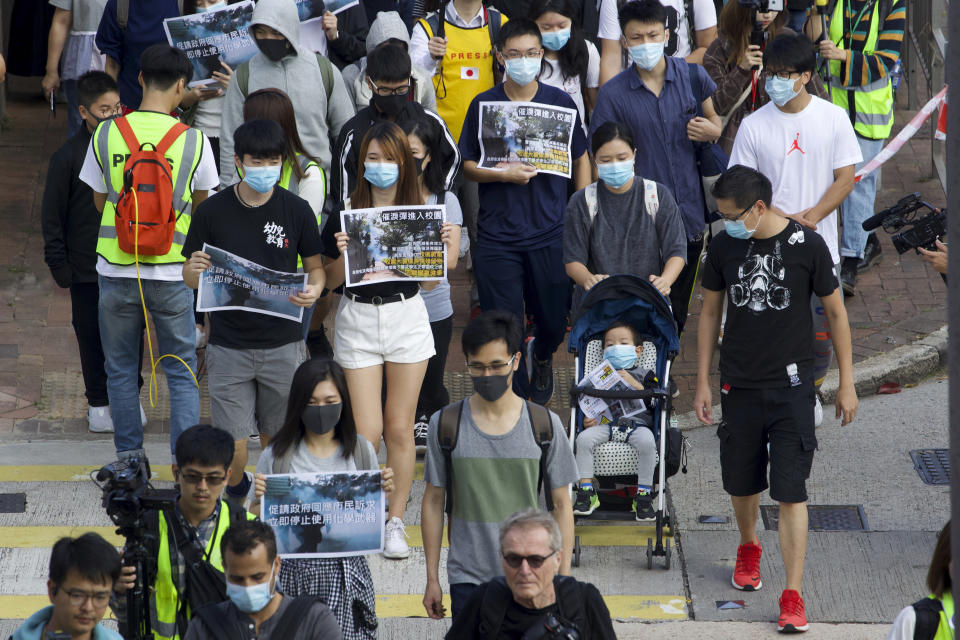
{"x":924,"y":51}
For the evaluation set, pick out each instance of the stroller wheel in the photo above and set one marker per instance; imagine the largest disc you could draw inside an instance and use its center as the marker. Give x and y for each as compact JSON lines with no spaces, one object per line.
{"x":669,"y":550}
{"x":575,"y":561}
{"x":649,"y":553}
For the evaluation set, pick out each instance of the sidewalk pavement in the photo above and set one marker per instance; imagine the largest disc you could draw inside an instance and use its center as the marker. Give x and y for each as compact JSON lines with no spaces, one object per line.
{"x":41,"y":391}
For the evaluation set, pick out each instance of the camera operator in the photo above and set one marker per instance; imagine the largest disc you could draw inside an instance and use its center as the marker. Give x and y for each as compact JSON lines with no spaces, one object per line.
{"x":184,"y":543}
{"x":531,"y":601}
{"x":937,"y":259}
{"x":82,"y":572}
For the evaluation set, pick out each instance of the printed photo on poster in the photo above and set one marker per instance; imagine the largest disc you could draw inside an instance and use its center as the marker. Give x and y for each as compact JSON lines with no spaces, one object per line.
{"x":323,"y":515}
{"x":394,"y":243}
{"x":237,"y":284}
{"x":535,"y":134}
{"x":211,"y":37}
{"x":606,"y":378}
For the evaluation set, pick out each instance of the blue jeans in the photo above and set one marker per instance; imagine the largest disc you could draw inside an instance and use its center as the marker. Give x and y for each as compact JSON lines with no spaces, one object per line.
{"x":121,"y":318}
{"x":74,"y":121}
{"x":859,"y":205}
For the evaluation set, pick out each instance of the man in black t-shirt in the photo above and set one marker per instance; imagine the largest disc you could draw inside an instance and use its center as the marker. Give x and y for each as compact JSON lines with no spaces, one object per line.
{"x":768,"y":266}
{"x":251,"y":357}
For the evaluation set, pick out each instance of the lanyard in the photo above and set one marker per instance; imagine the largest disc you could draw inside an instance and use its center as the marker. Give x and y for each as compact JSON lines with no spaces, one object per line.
{"x":853,"y":27}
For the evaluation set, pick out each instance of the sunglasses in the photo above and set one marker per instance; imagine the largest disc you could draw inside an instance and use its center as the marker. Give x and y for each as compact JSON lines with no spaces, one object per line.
{"x":515,"y":560}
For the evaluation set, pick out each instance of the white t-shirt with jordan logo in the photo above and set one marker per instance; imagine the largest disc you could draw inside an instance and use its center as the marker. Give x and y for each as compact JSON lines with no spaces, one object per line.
{"x":799,"y":152}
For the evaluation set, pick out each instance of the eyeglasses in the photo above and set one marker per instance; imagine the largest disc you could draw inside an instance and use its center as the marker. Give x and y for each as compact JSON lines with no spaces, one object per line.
{"x":78,"y":598}
{"x":496,"y":368}
{"x":515,"y":560}
{"x":726,"y":216}
{"x":783,"y":75}
{"x":213,"y":480}
{"x":387,"y":91}
{"x":513,"y":54}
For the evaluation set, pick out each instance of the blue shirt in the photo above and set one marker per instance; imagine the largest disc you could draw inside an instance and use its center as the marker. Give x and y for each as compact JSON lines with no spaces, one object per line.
{"x":144,"y":28}
{"x":659,"y":127}
{"x":528,"y":216}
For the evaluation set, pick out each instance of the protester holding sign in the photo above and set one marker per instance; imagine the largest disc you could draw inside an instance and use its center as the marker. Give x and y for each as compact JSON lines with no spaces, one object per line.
{"x":383,"y":326}
{"x":251,"y":357}
{"x":519,"y":253}
{"x":319,"y":435}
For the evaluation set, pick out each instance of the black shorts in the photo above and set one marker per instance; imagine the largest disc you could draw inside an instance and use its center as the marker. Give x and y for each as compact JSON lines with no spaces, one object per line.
{"x":753,"y":417}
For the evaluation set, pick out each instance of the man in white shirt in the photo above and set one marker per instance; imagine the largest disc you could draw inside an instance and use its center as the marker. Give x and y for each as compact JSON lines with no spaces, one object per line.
{"x":808,"y":149}
{"x":681,"y":33}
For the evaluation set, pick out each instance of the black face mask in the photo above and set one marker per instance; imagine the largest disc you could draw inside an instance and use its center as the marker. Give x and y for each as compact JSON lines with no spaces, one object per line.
{"x":491,"y":388}
{"x":273,"y":49}
{"x":321,"y":419}
{"x":419,"y":162}
{"x":388,"y":105}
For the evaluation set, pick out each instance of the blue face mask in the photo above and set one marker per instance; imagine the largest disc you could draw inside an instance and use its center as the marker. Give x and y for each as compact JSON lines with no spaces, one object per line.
{"x":615,"y":174}
{"x":251,"y":599}
{"x":212,"y":7}
{"x":621,"y":356}
{"x":646,"y":56}
{"x":738,"y":229}
{"x":381,"y":174}
{"x":555,"y":40}
{"x":261,"y":179}
{"x":523,"y":71}
{"x":780,"y":90}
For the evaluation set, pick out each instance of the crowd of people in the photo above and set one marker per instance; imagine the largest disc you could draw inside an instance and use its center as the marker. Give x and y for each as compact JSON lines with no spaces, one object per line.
{"x":678,"y":119}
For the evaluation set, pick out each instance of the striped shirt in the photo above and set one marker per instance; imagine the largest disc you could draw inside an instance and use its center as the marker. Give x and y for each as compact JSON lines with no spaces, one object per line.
{"x":861,"y":68}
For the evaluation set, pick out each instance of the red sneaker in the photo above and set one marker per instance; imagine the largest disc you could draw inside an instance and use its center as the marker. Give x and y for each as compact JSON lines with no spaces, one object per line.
{"x":746,"y":575}
{"x":793,"y":619}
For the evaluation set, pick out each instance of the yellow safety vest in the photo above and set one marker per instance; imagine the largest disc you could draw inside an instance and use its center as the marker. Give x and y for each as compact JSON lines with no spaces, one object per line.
{"x":111,"y":152}
{"x":466,"y":69}
{"x":945,"y":630}
{"x":873,"y":103}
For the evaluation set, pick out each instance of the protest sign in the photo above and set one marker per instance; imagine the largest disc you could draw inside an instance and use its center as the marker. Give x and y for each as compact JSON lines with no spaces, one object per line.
{"x":311,"y":10}
{"x":605,"y":377}
{"x":325,"y":515}
{"x":235,"y":283}
{"x":394,"y":243}
{"x":536,"y":134}
{"x":207,"y":38}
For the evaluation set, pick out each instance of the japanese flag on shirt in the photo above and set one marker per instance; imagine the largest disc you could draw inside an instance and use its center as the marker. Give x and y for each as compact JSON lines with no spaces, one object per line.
{"x":469,"y":73}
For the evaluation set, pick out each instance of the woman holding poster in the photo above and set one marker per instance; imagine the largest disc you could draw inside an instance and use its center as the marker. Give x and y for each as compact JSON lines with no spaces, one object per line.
{"x":383,"y":326}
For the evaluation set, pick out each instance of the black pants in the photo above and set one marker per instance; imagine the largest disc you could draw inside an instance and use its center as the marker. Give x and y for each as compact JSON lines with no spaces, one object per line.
{"x":682,"y":290}
{"x":433,"y":395}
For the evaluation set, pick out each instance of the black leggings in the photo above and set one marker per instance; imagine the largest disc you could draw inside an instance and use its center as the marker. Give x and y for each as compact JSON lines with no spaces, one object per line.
{"x":682,"y":290}
{"x":433,"y":395}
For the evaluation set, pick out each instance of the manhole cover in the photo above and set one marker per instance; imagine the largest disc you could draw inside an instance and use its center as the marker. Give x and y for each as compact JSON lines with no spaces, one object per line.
{"x":849,"y":517}
{"x":13,"y":502}
{"x":933,"y":465}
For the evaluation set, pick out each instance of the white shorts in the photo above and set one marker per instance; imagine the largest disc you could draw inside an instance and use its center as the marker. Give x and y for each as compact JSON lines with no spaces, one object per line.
{"x":368,"y":335}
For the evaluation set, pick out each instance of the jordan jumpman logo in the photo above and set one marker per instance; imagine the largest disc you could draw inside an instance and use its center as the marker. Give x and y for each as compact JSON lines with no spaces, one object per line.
{"x":796,"y":146}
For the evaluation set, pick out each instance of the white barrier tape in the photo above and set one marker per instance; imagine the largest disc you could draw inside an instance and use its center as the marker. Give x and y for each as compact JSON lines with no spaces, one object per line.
{"x":905,"y":134}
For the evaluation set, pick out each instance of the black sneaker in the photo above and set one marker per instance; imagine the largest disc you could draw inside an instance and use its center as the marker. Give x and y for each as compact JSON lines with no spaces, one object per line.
{"x":586,"y":503}
{"x":848,"y":275}
{"x":420,"y":430}
{"x":542,"y":388}
{"x":643,"y":507}
{"x":872,"y":254}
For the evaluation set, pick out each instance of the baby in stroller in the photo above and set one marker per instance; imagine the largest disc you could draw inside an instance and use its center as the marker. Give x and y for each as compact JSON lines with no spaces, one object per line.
{"x":622,"y":348}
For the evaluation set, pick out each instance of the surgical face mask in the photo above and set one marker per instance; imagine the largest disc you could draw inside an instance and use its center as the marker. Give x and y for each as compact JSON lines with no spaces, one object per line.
{"x":253,"y":598}
{"x":615,"y":174}
{"x":212,"y":7}
{"x":621,"y":356}
{"x":419,"y":162}
{"x":261,"y":179}
{"x":738,"y":229}
{"x":389,"y":105}
{"x":780,"y":90}
{"x":381,"y":174}
{"x":321,"y":419}
{"x":273,"y":49}
{"x":555,"y":40}
{"x":646,"y":56}
{"x":523,"y":71}
{"x":491,"y":388}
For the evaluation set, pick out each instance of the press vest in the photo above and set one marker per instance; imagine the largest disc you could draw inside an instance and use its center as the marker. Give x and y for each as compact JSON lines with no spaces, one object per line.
{"x":945,"y":630}
{"x":872,"y":116}
{"x":466,"y":69}
{"x":111,"y":152}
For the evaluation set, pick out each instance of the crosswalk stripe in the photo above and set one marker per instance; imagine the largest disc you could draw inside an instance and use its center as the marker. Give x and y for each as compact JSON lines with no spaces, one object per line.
{"x":81,"y":473}
{"x":31,"y":537}
{"x":409,"y":605}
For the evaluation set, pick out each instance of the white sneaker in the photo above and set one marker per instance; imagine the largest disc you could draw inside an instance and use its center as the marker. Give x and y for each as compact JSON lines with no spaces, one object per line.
{"x":817,"y":411}
{"x":143,"y":416}
{"x":395,"y":540}
{"x":99,"y":420}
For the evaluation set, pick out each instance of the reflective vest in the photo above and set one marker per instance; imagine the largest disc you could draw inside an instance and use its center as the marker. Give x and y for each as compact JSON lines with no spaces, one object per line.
{"x":111,"y":152}
{"x":467,"y":67}
{"x":945,"y":630}
{"x":872,"y":115}
{"x":290,"y":181}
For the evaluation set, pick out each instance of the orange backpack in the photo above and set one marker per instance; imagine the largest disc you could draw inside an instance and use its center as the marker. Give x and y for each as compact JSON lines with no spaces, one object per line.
{"x":145,"y":217}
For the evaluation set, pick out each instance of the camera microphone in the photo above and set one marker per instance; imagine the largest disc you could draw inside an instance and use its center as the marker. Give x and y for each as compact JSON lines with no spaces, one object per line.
{"x":873,"y":222}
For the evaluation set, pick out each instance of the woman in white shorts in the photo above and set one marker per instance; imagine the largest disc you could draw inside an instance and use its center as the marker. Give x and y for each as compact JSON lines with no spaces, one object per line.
{"x":383,"y":326}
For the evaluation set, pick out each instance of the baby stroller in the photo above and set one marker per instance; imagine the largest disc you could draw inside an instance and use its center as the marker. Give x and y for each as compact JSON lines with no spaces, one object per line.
{"x":635,"y":301}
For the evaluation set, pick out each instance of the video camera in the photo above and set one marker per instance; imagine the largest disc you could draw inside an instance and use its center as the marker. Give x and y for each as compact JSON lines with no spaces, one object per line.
{"x":909,"y":231}
{"x":552,"y":627}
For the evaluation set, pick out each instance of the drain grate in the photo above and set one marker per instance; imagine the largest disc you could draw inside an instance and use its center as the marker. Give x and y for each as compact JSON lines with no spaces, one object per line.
{"x":13,"y":502}
{"x":933,"y":465}
{"x":850,"y":517}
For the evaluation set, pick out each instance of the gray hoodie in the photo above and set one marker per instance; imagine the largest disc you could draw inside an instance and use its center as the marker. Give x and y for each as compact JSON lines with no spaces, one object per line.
{"x":387,"y":25}
{"x":299,"y":75}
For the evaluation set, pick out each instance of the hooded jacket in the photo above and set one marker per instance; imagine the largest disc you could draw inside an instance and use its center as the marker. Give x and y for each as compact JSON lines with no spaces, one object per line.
{"x":299,"y":75}
{"x":387,"y":25}
{"x":32,"y":629}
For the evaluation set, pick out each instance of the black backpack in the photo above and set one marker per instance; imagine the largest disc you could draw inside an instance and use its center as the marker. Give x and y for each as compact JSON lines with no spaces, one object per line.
{"x":928,"y":618}
{"x":497,"y":596}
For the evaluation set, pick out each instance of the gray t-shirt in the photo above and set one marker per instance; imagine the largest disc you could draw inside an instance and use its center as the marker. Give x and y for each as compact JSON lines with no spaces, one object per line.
{"x":494,"y":476}
{"x":624,"y":238}
{"x":86,"y":13}
{"x":318,"y":623}
{"x":437,"y":300}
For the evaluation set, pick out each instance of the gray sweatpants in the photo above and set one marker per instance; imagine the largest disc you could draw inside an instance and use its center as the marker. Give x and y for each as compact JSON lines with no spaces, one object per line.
{"x":641,"y":439}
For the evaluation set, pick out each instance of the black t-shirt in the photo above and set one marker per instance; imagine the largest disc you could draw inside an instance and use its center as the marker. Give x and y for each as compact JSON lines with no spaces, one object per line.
{"x":768,"y":335}
{"x":271,"y":235}
{"x":382,"y":289}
